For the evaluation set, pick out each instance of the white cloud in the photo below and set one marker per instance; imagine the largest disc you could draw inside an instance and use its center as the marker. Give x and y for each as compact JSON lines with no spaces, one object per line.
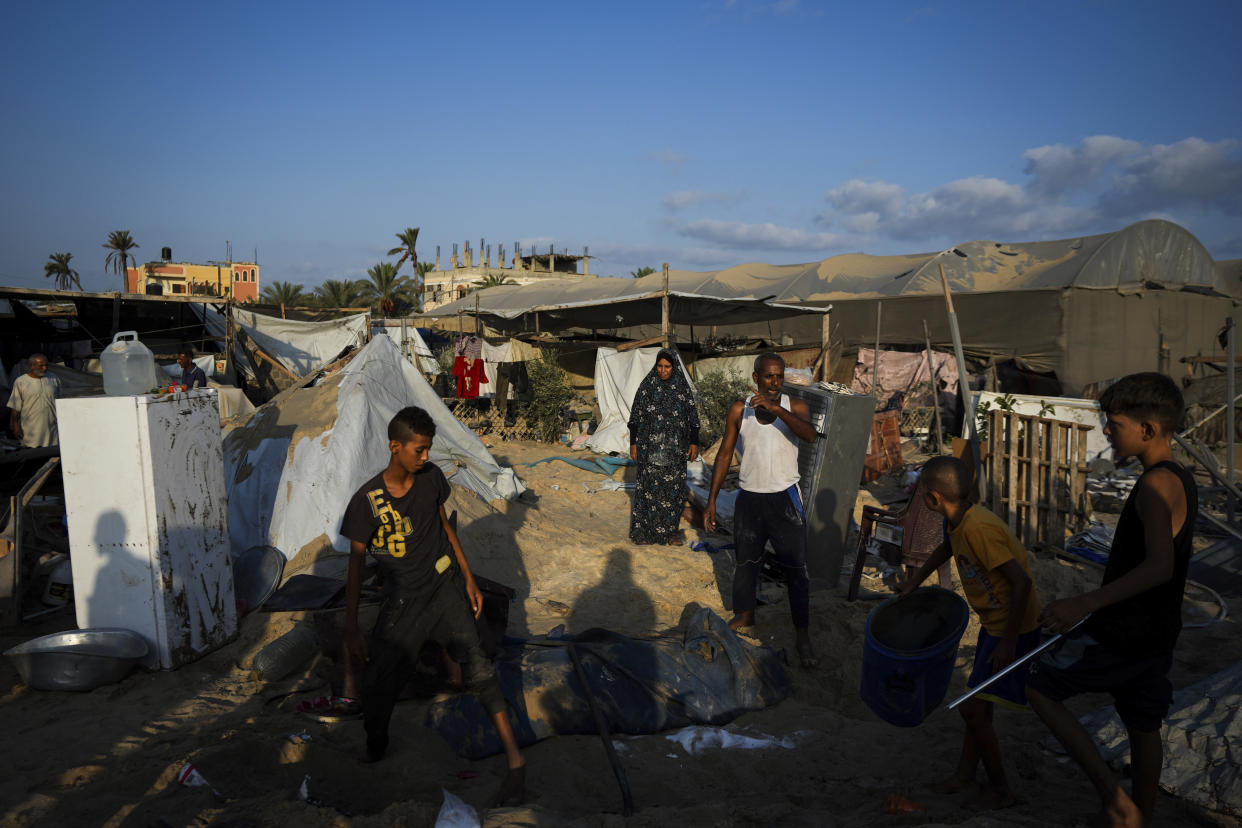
{"x":1057,"y":169}
{"x":683,"y":199}
{"x":784,"y":6}
{"x":1192,"y":173}
{"x":739,"y":235}
{"x":1100,"y":184}
{"x":864,"y":196}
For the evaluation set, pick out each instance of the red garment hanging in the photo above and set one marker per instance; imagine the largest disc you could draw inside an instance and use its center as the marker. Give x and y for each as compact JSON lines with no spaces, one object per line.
{"x":474,"y":377}
{"x":460,"y":370}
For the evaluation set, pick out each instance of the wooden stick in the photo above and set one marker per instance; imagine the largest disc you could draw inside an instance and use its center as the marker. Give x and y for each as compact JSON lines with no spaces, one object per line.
{"x":627,"y":800}
{"x":963,"y":380}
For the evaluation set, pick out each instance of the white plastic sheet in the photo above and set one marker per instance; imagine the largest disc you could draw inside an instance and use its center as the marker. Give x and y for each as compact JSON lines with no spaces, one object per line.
{"x":617,"y":377}
{"x":299,"y":346}
{"x":292,"y":495}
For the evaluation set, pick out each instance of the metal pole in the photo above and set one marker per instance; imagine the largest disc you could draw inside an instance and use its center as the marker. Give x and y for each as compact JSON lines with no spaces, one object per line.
{"x":932,"y":376}
{"x":1230,"y":393}
{"x":963,"y":384}
{"x":1016,"y":664}
{"x":875,"y":357}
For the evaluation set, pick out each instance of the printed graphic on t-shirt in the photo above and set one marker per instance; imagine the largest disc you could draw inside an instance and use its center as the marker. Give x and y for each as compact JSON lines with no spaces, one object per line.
{"x":967,"y":570}
{"x":389,"y":538}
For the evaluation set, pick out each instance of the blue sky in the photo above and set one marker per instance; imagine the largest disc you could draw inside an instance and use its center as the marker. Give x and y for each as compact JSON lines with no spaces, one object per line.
{"x":704,"y":134}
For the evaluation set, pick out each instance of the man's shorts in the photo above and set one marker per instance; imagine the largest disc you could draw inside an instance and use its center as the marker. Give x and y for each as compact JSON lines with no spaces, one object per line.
{"x":1139,"y":686}
{"x":1010,"y":690}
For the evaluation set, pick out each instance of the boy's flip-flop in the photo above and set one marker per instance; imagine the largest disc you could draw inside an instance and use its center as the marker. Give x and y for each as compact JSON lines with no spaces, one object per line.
{"x":330,"y":709}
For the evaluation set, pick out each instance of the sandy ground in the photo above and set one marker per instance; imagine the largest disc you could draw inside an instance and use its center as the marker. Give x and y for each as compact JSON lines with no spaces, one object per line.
{"x":111,"y":756}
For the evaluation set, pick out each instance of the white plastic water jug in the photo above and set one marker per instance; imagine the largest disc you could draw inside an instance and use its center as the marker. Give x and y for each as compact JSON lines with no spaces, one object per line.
{"x":128,"y":365}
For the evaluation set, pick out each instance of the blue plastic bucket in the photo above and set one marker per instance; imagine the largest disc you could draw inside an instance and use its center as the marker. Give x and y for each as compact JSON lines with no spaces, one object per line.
{"x":909,"y":650}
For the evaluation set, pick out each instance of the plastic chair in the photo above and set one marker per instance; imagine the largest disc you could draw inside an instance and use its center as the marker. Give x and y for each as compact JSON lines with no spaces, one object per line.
{"x":922,"y":531}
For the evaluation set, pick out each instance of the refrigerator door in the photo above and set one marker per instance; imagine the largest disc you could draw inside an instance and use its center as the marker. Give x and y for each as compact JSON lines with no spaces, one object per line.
{"x":148,"y":521}
{"x":195,"y":611}
{"x":830,"y":470}
{"x":106,"y":484}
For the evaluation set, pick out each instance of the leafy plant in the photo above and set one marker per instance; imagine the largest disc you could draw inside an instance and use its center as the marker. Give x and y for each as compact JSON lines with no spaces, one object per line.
{"x":1046,"y":409}
{"x":1005,"y":402}
{"x":445,"y":358}
{"x":338,"y":293}
{"x":642,"y":271}
{"x":717,"y":391}
{"x":387,"y":291}
{"x":491,"y":280}
{"x":57,"y":268}
{"x":120,"y":242}
{"x":408,"y":239}
{"x":282,"y":293}
{"x":550,"y":395}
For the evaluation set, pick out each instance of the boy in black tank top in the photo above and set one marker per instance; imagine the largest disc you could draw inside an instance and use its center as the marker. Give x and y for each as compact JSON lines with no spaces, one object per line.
{"x":1126,"y":648}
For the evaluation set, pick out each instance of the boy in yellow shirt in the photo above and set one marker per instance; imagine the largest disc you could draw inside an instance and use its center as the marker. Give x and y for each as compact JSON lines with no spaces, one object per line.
{"x":996,"y":578}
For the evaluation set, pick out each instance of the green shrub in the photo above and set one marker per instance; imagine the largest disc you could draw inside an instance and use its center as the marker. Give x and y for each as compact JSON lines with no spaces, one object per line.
{"x":550,"y":396}
{"x":717,"y":391}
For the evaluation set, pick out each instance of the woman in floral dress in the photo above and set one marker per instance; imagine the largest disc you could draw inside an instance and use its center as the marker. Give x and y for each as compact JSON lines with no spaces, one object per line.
{"x":664,"y":434}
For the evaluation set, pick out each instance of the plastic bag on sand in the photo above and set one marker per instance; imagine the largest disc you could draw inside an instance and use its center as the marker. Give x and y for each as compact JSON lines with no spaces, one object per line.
{"x":456,"y":814}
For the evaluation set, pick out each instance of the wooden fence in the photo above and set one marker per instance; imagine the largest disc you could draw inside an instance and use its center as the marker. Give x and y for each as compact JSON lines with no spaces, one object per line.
{"x":1038,"y":475}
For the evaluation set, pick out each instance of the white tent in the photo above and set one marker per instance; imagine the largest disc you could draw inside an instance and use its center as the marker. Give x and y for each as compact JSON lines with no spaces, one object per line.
{"x":299,"y":346}
{"x":617,"y":377}
{"x":291,"y":469}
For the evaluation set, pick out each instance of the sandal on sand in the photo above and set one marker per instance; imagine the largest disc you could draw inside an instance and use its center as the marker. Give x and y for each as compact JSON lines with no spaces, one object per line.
{"x":330,"y":708}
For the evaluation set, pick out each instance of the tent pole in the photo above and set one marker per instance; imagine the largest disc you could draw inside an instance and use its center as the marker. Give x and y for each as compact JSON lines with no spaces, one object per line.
{"x":1230,"y":393}
{"x":932,"y":377}
{"x":664,"y":309}
{"x":875,"y":360}
{"x":476,"y":315}
{"x":963,"y":384}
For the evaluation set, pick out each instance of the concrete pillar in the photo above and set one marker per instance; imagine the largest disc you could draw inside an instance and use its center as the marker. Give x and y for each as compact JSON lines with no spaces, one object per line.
{"x":437,"y":257}
{"x":586,"y":259}
{"x":551,"y":259}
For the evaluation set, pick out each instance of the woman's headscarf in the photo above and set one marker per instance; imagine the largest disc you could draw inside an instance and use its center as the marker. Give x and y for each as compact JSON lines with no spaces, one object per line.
{"x":663,"y":416}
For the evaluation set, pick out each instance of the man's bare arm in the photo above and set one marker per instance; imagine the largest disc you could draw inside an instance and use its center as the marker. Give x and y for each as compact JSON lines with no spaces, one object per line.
{"x":724,"y":457}
{"x":1160,"y":497}
{"x":797,"y":416}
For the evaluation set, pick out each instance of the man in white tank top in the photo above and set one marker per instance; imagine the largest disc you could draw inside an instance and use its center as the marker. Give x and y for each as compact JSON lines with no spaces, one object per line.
{"x":765,"y":430}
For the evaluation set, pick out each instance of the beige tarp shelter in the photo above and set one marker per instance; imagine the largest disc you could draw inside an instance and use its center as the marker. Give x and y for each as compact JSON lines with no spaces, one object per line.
{"x":1088,"y":308}
{"x":611,"y":303}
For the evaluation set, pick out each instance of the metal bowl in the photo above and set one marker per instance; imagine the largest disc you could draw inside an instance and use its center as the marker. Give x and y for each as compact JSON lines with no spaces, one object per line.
{"x":256,"y":575}
{"x":78,"y":659}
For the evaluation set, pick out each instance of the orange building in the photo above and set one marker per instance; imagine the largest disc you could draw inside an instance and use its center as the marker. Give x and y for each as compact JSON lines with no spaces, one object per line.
{"x":166,"y":278}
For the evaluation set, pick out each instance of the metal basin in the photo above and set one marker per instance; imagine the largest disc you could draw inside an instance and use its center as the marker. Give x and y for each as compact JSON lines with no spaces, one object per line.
{"x":78,"y":659}
{"x":256,"y":575}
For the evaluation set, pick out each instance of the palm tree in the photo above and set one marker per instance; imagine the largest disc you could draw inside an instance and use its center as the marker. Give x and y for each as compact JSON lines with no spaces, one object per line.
{"x":120,"y":242}
{"x":642,"y":271}
{"x":388,"y":291}
{"x":57,"y":267}
{"x":406,"y":250}
{"x":492,"y":280}
{"x":282,"y":293}
{"x":338,"y":293}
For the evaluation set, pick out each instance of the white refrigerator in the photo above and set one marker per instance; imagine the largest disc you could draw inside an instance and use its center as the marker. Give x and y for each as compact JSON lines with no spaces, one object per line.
{"x":148,"y":520}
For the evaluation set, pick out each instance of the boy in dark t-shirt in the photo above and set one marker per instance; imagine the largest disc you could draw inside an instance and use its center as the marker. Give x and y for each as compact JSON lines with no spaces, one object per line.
{"x":429,"y":592}
{"x":1126,"y":648}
